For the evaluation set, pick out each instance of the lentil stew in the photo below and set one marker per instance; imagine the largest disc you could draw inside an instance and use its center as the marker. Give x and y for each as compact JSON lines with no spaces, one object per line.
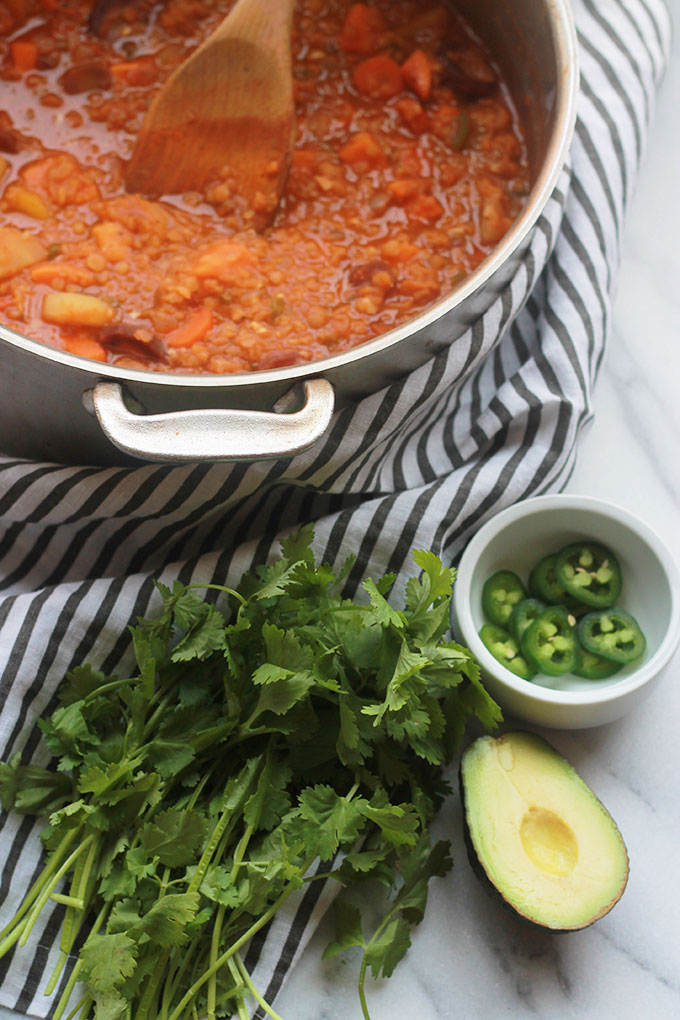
{"x":408,"y":169}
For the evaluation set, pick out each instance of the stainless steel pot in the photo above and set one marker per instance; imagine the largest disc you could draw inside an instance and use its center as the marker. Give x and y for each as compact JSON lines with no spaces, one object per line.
{"x":55,"y":406}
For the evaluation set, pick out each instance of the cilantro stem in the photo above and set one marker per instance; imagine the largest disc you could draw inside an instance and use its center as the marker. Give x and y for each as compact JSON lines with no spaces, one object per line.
{"x":113,"y":686}
{"x":226,"y":956}
{"x":45,"y":894}
{"x":76,"y":906}
{"x":241,"y":1008}
{"x":56,"y":973}
{"x":171,"y":986}
{"x":151,"y":989}
{"x":66,"y":994}
{"x":253,"y":989}
{"x":79,"y":1005}
{"x":86,"y":1008}
{"x":220,"y":587}
{"x":240,"y":851}
{"x":75,"y":973}
{"x":228,"y":816}
{"x":39,"y":883}
{"x":67,"y":901}
{"x":362,"y":990}
{"x":214,"y":950}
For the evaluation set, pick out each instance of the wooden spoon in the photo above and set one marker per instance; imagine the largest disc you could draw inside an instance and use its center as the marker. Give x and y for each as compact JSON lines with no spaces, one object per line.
{"x":225,"y":115}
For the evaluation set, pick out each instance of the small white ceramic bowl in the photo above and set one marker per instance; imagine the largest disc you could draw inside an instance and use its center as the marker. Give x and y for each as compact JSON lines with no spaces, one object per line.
{"x":516,"y":539}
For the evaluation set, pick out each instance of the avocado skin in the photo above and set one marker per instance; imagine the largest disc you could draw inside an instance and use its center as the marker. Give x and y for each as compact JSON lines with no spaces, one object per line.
{"x":491,"y":888}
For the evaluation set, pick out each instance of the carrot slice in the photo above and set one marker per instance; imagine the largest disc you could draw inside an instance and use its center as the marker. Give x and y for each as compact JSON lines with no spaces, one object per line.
{"x":417,"y":73}
{"x":378,"y":77}
{"x":192,"y":329}
{"x":362,"y":30}
{"x":24,"y":54}
{"x":85,"y":346}
{"x":136,"y":72}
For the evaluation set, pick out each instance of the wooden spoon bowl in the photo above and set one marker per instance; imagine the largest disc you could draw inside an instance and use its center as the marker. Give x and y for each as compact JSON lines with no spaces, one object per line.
{"x":225,"y":116}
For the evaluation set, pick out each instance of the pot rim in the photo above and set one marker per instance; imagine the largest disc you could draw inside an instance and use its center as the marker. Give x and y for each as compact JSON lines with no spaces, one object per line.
{"x":566,"y":58}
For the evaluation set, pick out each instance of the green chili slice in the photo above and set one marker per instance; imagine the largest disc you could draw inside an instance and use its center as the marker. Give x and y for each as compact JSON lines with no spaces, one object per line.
{"x":506,"y":650}
{"x":612,"y":633}
{"x":544,"y":585}
{"x":595,"y":667}
{"x":590,"y":572}
{"x":550,"y":643}
{"x":524,"y":613}
{"x":500,"y":594}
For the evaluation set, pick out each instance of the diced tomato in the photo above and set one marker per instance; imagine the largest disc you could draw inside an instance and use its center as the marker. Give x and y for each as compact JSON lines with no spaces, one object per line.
{"x":365,"y":149}
{"x":192,"y":329}
{"x":417,"y":73}
{"x":424,"y":207}
{"x":413,"y":115}
{"x":397,"y":251}
{"x":24,"y":54}
{"x":362,"y":30}
{"x":304,"y":159}
{"x":403,"y":190}
{"x":378,"y":77}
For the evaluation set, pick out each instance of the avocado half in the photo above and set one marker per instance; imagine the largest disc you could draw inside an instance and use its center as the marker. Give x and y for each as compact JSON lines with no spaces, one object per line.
{"x":539,"y":834}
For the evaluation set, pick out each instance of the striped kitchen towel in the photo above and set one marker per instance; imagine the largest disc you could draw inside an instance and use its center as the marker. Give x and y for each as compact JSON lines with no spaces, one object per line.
{"x":492,"y":420}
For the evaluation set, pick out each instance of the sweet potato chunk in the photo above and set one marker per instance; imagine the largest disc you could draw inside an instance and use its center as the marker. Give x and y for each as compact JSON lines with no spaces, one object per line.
{"x":67,"y":309}
{"x":18,"y":249}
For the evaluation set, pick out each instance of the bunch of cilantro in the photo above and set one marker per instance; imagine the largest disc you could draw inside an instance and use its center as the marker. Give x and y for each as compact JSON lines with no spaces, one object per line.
{"x":192,"y":799}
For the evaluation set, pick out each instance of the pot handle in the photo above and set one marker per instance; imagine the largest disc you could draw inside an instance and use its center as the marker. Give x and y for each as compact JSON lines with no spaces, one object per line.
{"x":214,"y":434}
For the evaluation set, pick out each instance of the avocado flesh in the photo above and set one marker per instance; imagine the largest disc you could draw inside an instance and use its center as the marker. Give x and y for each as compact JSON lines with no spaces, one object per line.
{"x":543,"y":839}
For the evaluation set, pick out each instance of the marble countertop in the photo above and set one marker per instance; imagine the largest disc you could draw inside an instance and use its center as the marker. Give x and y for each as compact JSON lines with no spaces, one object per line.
{"x":470,"y":958}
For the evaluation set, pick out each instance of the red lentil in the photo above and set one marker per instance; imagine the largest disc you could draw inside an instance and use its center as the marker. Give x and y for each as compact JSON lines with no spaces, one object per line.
{"x":409,"y":167}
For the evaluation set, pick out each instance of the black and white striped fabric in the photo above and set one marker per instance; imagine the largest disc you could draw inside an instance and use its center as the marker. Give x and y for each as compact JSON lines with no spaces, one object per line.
{"x":423,"y":463}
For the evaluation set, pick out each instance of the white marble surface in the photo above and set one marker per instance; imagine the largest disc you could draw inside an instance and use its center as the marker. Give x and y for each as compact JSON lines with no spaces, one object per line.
{"x":469,"y":958}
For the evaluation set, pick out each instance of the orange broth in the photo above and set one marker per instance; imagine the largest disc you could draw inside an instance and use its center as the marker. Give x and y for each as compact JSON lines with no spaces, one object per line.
{"x":409,"y":167}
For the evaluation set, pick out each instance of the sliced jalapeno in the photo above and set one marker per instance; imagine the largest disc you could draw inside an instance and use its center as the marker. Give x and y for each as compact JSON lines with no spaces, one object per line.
{"x":550,"y":643}
{"x":544,"y":585}
{"x":594,"y":667}
{"x":524,"y":613}
{"x":506,"y":650}
{"x":590,"y":572}
{"x":612,"y":633}
{"x":500,"y":594}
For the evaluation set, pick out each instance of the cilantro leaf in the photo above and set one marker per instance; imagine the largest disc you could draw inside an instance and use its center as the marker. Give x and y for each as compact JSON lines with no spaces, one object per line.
{"x":281,"y":696}
{"x":348,"y":929}
{"x":271,"y":800}
{"x":174,"y":837}
{"x":385,"y":953}
{"x":382,"y":610}
{"x":332,"y":819}
{"x":166,"y":922}
{"x":206,"y":635}
{"x":107,"y":960}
